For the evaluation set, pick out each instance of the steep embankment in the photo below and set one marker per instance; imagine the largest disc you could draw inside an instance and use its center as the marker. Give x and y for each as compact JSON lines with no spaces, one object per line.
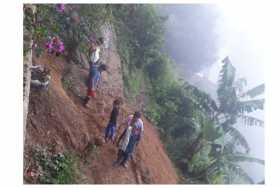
{"x":57,"y":119}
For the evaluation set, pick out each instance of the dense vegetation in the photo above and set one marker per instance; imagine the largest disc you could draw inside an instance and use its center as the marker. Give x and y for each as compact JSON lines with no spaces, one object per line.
{"x":200,"y":135}
{"x":76,"y":25}
{"x":50,"y":168}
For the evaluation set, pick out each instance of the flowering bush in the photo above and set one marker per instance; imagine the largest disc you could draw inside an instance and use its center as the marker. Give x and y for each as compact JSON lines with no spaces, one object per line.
{"x":73,"y":23}
{"x":60,"y":8}
{"x":54,"y":45}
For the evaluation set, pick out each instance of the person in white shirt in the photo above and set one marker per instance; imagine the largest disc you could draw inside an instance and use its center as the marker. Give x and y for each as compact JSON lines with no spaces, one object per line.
{"x":124,"y":139}
{"x":94,"y":50}
{"x":95,"y":70}
{"x":136,"y":131}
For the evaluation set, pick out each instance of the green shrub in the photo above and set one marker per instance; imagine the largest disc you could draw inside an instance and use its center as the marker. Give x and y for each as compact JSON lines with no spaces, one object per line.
{"x":75,"y":26}
{"x":53,"y":168}
{"x":152,"y":111}
{"x":139,"y":31}
{"x":132,"y":83}
{"x":66,"y":83}
{"x":90,"y":153}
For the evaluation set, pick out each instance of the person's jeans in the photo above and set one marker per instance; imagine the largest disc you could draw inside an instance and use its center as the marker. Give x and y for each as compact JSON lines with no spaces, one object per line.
{"x":120,"y":156}
{"x":130,"y":147}
{"x":110,"y":130}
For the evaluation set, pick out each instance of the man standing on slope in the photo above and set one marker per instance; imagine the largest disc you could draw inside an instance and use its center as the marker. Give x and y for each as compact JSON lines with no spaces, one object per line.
{"x":135,"y":136}
{"x":95,"y":69}
{"x":123,"y":140}
{"x":112,"y":125}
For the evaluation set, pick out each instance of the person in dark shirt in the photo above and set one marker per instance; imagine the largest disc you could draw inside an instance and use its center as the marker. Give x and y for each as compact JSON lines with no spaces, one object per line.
{"x":111,"y":127}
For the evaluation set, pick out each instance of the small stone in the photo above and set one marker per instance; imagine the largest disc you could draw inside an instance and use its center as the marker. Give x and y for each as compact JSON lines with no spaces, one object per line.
{"x":98,"y":141}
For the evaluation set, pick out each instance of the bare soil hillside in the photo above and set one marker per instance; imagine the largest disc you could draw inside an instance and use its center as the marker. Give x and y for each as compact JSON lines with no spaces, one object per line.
{"x":58,"y":119}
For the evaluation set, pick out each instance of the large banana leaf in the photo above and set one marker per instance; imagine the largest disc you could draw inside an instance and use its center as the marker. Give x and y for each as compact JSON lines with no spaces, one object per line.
{"x":227,"y":76}
{"x":238,"y":171}
{"x":213,"y":170}
{"x":251,"y":105}
{"x":251,"y":121}
{"x":244,"y":158}
{"x":239,"y":84}
{"x":229,"y":146}
{"x":235,"y":133}
{"x":255,"y":91}
{"x":201,"y":99}
{"x":230,"y":171}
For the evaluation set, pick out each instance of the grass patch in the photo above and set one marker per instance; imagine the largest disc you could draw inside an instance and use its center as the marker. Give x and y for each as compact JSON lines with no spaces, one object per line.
{"x":132,"y":82}
{"x":90,"y":153}
{"x":152,"y":111}
{"x":66,"y":84}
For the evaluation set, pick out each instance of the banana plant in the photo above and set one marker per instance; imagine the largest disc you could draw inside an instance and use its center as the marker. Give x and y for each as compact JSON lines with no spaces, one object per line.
{"x":226,"y":168}
{"x":217,"y":157}
{"x":235,"y":103}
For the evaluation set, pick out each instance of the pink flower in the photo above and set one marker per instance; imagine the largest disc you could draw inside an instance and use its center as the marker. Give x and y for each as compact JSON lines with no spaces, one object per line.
{"x":49,"y":45}
{"x":61,"y":47}
{"x":60,"y":7}
{"x":30,"y":173}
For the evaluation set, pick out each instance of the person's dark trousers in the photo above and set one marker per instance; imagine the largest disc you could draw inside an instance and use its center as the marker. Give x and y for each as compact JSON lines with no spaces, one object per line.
{"x":110,"y":131}
{"x":130,"y":147}
{"x":120,"y":156}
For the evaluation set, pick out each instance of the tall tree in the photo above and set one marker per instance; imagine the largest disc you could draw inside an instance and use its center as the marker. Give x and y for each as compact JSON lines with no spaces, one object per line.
{"x":28,"y":37}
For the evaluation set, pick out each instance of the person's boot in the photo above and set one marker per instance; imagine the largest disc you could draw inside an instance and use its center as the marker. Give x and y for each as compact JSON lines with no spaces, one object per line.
{"x":117,"y":161}
{"x":86,"y":101}
{"x":124,"y":164}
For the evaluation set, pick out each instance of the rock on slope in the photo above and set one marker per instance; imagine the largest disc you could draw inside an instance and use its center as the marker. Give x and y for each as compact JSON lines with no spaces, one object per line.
{"x":57,"y":118}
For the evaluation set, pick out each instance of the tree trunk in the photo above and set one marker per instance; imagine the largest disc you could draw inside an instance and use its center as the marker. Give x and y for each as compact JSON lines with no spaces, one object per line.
{"x":27,"y":62}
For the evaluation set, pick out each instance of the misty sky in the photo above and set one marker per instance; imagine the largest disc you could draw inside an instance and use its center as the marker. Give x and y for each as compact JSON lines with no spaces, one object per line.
{"x":241,"y":40}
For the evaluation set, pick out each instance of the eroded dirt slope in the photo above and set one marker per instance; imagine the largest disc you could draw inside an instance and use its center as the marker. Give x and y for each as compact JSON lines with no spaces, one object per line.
{"x":57,"y":118}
